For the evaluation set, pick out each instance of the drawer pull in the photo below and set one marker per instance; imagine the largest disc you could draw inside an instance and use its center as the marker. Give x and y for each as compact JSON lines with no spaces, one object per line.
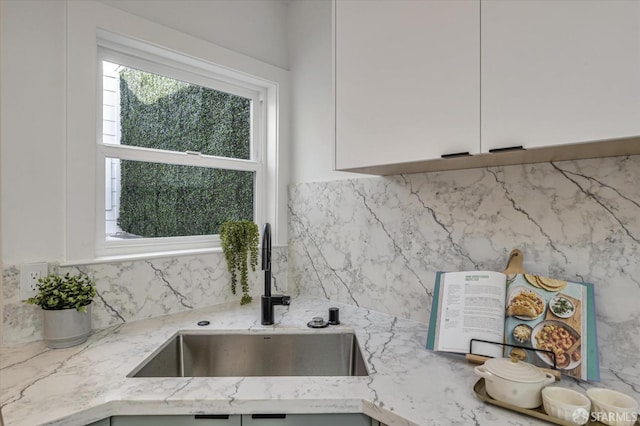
{"x":456,"y":155}
{"x":212,"y":416}
{"x":268,"y":416}
{"x":509,"y":148}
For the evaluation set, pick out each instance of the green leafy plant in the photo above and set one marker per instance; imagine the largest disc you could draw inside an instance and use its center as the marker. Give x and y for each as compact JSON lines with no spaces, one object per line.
{"x":64,"y":292}
{"x":239,"y":241}
{"x":168,"y":200}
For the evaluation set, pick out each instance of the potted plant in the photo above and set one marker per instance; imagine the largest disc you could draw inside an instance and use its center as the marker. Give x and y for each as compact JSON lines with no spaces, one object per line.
{"x":240,"y":246}
{"x":66,"y":308}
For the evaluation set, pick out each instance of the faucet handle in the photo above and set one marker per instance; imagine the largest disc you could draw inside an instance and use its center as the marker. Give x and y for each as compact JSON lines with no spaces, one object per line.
{"x":279,"y":299}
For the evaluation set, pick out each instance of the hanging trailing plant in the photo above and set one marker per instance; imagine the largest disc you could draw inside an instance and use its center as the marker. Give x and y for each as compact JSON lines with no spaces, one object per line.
{"x":239,"y":241}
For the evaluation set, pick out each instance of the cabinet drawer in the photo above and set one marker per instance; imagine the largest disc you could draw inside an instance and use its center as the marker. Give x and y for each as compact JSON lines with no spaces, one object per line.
{"x":306,"y":420}
{"x":197,"y":420}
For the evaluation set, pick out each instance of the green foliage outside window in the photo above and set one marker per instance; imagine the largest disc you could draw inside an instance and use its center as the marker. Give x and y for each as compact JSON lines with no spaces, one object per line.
{"x":163,"y":200}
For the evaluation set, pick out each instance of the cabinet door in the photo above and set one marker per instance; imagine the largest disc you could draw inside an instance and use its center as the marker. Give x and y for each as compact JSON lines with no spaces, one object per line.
{"x":306,"y":420}
{"x":406,"y":80}
{"x":558,"y":72}
{"x":168,"y":420}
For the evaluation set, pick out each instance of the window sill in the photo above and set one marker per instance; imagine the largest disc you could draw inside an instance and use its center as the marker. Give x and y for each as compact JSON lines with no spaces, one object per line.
{"x":145,"y":256}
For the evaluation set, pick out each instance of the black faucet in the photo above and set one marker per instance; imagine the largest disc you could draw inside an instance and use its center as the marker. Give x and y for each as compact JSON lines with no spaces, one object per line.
{"x":269,"y":301}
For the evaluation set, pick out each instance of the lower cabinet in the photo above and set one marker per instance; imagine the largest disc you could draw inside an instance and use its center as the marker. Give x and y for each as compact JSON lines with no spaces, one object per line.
{"x":306,"y":420}
{"x":196,"y":420}
{"x":242,"y":420}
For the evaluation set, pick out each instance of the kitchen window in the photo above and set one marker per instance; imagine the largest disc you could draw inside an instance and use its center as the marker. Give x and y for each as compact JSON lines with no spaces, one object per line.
{"x":140,"y":187}
{"x":181,"y":150}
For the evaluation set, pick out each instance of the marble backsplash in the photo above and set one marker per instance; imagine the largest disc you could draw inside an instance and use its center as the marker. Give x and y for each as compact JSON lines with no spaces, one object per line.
{"x":378,"y":242}
{"x":141,"y":289}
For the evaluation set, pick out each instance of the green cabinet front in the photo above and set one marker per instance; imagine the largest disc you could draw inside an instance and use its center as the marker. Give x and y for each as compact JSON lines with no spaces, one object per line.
{"x":242,"y":420}
{"x":196,"y":420}
{"x":306,"y":420}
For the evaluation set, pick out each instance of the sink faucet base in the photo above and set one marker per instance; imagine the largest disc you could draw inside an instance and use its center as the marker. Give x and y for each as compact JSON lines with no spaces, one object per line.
{"x":268,"y":302}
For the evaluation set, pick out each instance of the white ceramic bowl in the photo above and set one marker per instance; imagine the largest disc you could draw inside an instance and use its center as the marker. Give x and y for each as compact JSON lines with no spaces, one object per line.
{"x":566,"y":404}
{"x":612,"y":408}
{"x":516,"y":383}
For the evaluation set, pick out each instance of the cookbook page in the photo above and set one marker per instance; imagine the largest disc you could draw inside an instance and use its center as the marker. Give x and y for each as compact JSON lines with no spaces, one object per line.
{"x":554,"y":315}
{"x":468,"y":305}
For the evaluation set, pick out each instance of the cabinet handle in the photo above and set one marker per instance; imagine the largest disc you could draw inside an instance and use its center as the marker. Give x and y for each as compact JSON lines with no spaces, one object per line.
{"x":456,"y":155}
{"x":212,"y":416}
{"x":509,"y":148}
{"x":268,"y":416}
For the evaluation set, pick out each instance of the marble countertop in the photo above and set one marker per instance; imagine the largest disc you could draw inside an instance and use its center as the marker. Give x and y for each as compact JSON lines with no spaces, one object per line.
{"x":408,"y":384}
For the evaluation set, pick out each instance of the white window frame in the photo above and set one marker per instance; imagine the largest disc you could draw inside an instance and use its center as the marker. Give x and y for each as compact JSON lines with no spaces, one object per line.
{"x":187,"y":70}
{"x":92,"y":26}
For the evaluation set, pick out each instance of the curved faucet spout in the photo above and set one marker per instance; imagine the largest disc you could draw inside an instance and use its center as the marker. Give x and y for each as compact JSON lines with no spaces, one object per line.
{"x":266,"y":258}
{"x":266,"y":247}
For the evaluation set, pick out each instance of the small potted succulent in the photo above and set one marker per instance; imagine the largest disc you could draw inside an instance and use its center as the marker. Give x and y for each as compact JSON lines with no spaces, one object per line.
{"x":66,"y":307}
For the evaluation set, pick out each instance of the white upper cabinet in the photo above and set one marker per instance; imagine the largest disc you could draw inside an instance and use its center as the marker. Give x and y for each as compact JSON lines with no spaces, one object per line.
{"x":419,"y":79}
{"x":406,"y":80}
{"x":559,"y":72}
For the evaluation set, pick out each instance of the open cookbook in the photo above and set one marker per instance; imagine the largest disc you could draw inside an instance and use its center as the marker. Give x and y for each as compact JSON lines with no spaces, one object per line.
{"x":520,"y":310}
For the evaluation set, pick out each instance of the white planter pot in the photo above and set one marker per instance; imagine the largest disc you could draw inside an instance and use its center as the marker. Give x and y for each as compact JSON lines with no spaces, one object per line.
{"x":66,"y":327}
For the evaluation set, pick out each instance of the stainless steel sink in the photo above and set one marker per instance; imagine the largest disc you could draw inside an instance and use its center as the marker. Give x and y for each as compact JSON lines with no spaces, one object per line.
{"x":255,"y":354}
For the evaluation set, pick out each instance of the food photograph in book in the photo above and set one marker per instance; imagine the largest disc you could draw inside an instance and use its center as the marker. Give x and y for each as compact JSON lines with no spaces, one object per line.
{"x":546,"y":314}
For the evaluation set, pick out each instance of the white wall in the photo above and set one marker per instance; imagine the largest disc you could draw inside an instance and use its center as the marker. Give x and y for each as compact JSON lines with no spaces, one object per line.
{"x":33,"y":129}
{"x":33,"y":101}
{"x":255,"y":28}
{"x":312,"y":111}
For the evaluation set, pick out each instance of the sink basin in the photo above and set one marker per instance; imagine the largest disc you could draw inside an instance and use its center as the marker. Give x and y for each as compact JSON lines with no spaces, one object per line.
{"x":255,"y":354}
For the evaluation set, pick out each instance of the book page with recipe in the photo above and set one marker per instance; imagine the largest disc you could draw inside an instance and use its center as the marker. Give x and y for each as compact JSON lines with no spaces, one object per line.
{"x":471,"y":306}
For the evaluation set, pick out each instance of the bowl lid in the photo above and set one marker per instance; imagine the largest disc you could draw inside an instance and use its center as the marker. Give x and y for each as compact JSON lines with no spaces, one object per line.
{"x":514,"y":370}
